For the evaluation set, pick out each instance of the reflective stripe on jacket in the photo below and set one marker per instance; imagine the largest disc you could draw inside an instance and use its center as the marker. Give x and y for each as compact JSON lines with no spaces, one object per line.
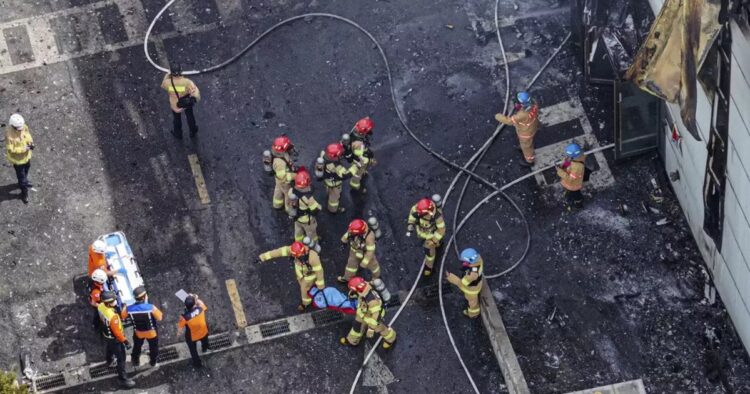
{"x":15,"y":145}
{"x":144,"y":317}
{"x":111,"y":324}
{"x":571,"y":178}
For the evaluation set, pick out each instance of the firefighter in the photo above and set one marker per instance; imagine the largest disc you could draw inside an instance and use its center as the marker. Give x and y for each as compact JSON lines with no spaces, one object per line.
{"x":183,"y":94}
{"x":98,"y":278}
{"x":144,"y":316}
{"x":571,"y":173}
{"x":114,"y":334}
{"x":18,"y":150}
{"x":193,"y":320}
{"x":333,"y":175}
{"x":526,"y":121}
{"x":359,"y":153}
{"x":283,"y":170}
{"x":361,"y":242}
{"x":307,"y":268}
{"x":427,"y":218}
{"x":304,"y":207}
{"x":370,"y":314}
{"x":471,"y":282}
{"x":97,"y":259}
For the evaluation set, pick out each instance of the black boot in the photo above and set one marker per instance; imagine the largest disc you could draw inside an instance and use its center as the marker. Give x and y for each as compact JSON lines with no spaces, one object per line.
{"x":25,"y":196}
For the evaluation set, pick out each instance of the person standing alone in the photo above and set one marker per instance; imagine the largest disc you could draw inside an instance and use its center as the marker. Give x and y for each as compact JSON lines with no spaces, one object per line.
{"x":183,"y":94}
{"x":18,"y":148}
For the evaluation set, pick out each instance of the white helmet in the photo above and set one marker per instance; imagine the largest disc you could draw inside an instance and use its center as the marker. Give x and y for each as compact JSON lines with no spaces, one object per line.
{"x":16,"y":120}
{"x":99,"y":246}
{"x":99,"y":276}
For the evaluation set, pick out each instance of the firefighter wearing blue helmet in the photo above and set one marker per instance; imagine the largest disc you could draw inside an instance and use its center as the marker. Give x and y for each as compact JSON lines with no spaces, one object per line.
{"x":471,"y":282}
{"x":526,"y":121}
{"x":571,"y":173}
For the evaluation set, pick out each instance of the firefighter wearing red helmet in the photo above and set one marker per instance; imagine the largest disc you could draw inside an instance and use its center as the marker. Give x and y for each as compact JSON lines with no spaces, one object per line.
{"x":427,"y":218}
{"x":307,"y":207}
{"x":369,"y":317}
{"x":361,"y":242}
{"x":334,"y":174}
{"x":307,"y":268}
{"x":361,"y":156}
{"x":283,"y":170}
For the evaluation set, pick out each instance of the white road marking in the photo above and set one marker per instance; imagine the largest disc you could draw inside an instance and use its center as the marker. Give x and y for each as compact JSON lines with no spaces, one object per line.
{"x":229,"y":9}
{"x":561,"y":113}
{"x":4,"y":52}
{"x":42,"y":40}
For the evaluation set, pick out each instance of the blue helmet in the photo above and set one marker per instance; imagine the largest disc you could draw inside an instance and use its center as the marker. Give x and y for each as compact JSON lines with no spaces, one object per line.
{"x":573,"y":150}
{"x":524,"y":98}
{"x":469,"y":255}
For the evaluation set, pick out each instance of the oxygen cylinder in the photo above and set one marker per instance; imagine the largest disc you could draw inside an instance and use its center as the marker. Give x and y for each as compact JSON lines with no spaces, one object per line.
{"x":319,"y":166}
{"x":375,"y":226}
{"x":436,"y":199}
{"x":293,"y":202}
{"x":311,"y":244}
{"x":346,"y":139}
{"x":267,"y":161}
{"x":382,"y":290}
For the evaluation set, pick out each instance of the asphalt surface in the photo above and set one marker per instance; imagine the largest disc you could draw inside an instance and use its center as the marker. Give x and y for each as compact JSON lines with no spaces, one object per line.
{"x":107,"y":162}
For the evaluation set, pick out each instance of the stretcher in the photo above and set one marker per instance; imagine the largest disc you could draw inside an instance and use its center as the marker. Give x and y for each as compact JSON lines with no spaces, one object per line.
{"x":333,"y":299}
{"x":120,"y":259}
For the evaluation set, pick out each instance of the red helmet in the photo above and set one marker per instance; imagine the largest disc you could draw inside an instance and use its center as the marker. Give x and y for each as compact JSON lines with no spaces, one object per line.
{"x":364,"y":126}
{"x":281,"y":144}
{"x":298,"y":249}
{"x":302,"y":179}
{"x":357,"y":284}
{"x":335,"y":151}
{"x":425,"y":206}
{"x":357,"y":227}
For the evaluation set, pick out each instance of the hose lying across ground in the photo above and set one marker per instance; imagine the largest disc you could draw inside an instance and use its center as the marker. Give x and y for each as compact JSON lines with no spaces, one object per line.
{"x":472,"y":162}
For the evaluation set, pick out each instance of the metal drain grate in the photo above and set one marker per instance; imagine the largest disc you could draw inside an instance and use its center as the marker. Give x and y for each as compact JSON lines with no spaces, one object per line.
{"x":275,"y":328}
{"x":220,"y":341}
{"x":168,"y":354}
{"x":50,"y":382}
{"x":102,"y":370}
{"x":431,"y":291}
{"x":326,"y":316}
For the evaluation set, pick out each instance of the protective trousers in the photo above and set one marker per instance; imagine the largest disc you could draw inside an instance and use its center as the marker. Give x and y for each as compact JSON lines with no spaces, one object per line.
{"x":281,"y":194}
{"x":153,"y":349}
{"x":430,"y":251}
{"x":305,"y":284}
{"x":526,"y":142}
{"x":354,"y":262}
{"x":116,"y":351}
{"x":359,"y":327}
{"x":334,"y":198}
{"x":309,"y":229}
{"x":574,"y":199}
{"x":358,"y":177}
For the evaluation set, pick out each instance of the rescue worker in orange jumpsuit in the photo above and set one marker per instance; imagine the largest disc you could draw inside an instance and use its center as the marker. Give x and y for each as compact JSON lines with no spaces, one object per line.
{"x":97,"y":260}
{"x":178,"y":87}
{"x":333,"y":175}
{"x":305,"y":205}
{"x":98,"y":277}
{"x":571,"y":173}
{"x":359,"y":153}
{"x":471,"y":282}
{"x":144,"y":316}
{"x":114,"y":334}
{"x":369,"y":317}
{"x":193,"y":320}
{"x":283,"y":170}
{"x":307,"y":269}
{"x":526,"y":121}
{"x":361,"y":242}
{"x":427,"y":218}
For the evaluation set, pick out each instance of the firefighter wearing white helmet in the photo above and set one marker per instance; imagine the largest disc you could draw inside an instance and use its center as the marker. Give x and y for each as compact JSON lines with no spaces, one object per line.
{"x":97,"y":258}
{"x":98,"y":278}
{"x":18,"y":150}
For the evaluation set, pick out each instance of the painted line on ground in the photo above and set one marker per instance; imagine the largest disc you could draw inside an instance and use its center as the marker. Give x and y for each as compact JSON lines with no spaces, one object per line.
{"x":200,"y":182}
{"x":234,"y":296}
{"x":629,"y":387}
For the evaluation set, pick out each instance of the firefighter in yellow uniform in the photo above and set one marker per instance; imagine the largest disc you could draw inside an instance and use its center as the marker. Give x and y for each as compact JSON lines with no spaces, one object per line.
{"x":526,"y":121}
{"x":283,"y":171}
{"x":572,"y":173}
{"x":361,"y":242}
{"x":333,"y":175}
{"x":307,"y":268}
{"x":471,"y":282}
{"x":18,"y":150}
{"x":305,"y":207}
{"x":427,"y":218}
{"x":178,"y":87}
{"x":369,"y":317}
{"x":360,"y":154}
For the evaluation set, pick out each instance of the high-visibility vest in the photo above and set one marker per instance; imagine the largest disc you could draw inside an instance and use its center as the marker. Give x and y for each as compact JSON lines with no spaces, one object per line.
{"x":106,"y":314}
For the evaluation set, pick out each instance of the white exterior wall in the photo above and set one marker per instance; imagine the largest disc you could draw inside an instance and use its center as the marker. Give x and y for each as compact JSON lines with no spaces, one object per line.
{"x":731,"y":267}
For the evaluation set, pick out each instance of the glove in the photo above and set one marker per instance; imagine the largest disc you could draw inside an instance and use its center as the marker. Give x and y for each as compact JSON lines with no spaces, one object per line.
{"x":127,"y":344}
